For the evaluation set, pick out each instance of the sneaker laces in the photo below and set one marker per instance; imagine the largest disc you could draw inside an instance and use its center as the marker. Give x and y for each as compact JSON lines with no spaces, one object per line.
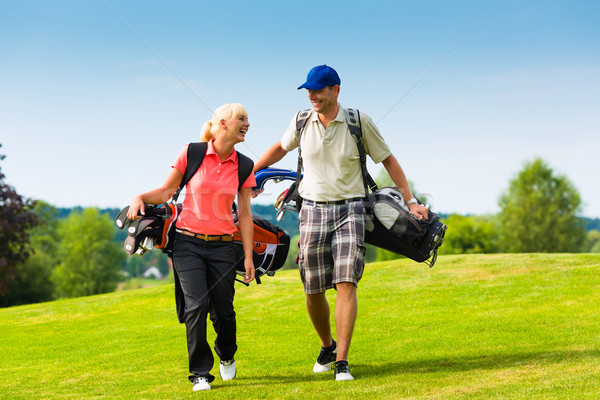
{"x":342,"y":367}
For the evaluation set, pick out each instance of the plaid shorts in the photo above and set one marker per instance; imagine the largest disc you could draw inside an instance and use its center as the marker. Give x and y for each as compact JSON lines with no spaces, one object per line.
{"x":332,"y":246}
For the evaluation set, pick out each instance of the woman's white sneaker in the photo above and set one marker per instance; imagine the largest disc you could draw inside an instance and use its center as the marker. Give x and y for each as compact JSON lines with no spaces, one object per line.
{"x":227,"y":370}
{"x":201,"y":383}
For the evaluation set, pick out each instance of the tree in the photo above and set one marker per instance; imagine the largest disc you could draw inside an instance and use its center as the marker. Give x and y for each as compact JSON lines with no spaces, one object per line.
{"x":372,"y":253}
{"x":290,"y":261}
{"x":592,"y":242}
{"x":32,"y":279}
{"x":90,"y":261}
{"x":470,"y":234}
{"x":539,"y":212}
{"x":136,"y":265}
{"x":383,"y":179}
{"x":16,"y":218}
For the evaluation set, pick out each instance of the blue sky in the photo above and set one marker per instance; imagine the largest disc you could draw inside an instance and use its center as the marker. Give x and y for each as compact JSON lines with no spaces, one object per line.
{"x":97,"y":97}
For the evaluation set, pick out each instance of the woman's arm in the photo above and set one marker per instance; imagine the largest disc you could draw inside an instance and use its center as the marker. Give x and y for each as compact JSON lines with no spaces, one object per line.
{"x":246,"y":227}
{"x":156,"y":196}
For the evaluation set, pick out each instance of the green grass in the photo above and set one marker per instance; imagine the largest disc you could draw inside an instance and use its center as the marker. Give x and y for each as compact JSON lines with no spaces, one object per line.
{"x":139,"y":283}
{"x":478,"y":326}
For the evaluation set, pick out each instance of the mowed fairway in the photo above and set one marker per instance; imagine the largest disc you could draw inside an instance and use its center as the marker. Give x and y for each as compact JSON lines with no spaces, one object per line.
{"x":517,"y":326}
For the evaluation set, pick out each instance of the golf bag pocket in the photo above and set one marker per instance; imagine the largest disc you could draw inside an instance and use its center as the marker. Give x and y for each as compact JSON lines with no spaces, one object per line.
{"x":271,"y":246}
{"x":390,"y":209}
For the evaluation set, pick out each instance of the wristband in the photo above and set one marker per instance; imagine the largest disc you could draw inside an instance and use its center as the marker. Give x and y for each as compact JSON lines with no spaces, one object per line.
{"x":412,"y":201}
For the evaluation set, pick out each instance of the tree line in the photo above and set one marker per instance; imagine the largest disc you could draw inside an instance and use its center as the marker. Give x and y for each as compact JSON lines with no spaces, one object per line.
{"x":49,"y":253}
{"x":539,"y":212}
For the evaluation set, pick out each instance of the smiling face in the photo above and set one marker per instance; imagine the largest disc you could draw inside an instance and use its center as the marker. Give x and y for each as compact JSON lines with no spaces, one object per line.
{"x":324,"y":100}
{"x":236,"y":127}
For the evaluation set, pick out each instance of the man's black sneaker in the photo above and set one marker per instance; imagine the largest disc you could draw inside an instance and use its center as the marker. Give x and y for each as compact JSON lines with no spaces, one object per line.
{"x":341,"y":371}
{"x":326,"y":358}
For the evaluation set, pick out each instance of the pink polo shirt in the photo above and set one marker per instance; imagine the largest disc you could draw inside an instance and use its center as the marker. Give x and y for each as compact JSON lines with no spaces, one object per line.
{"x":210,"y":193}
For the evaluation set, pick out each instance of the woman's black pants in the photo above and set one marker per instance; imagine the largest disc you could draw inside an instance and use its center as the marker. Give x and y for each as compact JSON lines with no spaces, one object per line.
{"x":207,"y":278}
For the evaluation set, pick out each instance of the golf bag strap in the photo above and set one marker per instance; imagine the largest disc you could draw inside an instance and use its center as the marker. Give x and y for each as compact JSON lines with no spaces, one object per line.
{"x":301,"y":119}
{"x":353,"y":121}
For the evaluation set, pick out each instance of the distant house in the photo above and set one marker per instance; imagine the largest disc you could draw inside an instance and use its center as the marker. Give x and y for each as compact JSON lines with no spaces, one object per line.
{"x":152,"y":273}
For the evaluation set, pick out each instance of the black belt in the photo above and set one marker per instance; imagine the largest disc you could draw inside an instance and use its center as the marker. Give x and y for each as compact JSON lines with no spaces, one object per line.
{"x":207,"y":238}
{"x":333,"y":202}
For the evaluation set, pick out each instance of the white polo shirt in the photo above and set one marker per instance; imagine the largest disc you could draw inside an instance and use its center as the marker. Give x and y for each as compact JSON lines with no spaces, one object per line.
{"x":330,"y":156}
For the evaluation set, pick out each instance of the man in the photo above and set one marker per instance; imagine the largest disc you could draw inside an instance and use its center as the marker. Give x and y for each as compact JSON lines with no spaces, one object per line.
{"x":332,"y":216}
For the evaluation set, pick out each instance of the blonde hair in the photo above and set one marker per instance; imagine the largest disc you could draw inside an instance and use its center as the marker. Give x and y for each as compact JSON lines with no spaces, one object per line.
{"x":211,"y":128}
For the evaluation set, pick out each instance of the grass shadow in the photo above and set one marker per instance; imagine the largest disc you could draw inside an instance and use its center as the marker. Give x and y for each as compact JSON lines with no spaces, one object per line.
{"x":483,"y":362}
{"x":433,"y":365}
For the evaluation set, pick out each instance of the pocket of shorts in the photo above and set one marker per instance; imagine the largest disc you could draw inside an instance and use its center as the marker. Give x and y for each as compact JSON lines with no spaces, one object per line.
{"x":300,"y":254}
{"x":359,"y":209}
{"x":359,"y":267}
{"x":301,"y":215}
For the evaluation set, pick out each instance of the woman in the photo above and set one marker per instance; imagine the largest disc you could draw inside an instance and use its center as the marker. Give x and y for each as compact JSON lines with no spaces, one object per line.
{"x":203,"y":253}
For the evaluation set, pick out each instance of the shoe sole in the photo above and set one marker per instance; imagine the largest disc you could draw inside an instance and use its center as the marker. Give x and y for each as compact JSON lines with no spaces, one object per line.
{"x":198,"y":388}
{"x":344,"y":377}
{"x":226,"y":378}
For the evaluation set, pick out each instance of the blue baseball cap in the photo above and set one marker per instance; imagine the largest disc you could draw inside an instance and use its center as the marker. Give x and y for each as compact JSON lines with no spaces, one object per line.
{"x":320,"y":77}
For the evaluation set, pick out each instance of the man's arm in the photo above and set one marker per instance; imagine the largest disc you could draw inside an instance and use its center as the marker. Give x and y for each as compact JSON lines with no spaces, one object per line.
{"x":395,"y":171}
{"x":271,"y":156}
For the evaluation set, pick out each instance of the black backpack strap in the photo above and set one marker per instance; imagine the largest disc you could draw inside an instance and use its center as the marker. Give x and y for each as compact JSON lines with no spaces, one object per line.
{"x":245,"y":167}
{"x":195,"y":155}
{"x":353,"y":121}
{"x":301,"y":120}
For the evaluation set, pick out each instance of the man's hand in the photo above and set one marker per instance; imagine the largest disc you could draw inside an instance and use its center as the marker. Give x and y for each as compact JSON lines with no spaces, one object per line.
{"x":419,"y":210}
{"x":255,"y":192}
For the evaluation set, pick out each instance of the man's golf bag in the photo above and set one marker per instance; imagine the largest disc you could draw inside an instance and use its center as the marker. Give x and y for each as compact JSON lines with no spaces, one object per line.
{"x":391,"y":226}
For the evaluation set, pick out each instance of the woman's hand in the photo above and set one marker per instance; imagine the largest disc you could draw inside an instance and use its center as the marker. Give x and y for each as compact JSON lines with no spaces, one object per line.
{"x":155,"y":196}
{"x":250,"y":271}
{"x":136,"y":207}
